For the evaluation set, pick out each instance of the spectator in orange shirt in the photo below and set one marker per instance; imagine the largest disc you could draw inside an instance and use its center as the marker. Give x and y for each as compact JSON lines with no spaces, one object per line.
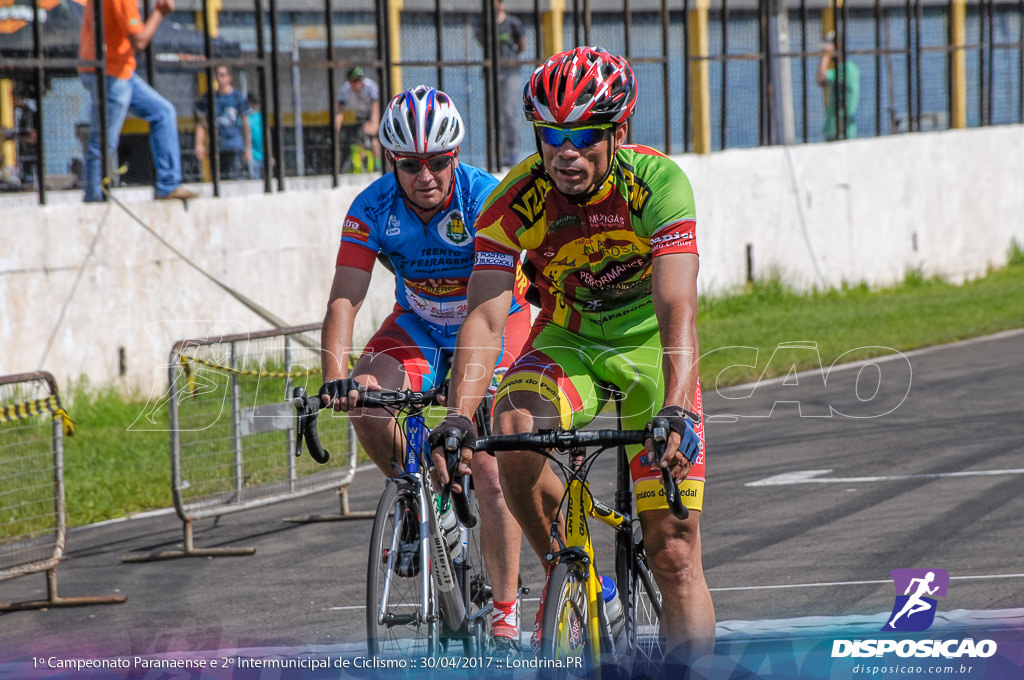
{"x":125,"y":33}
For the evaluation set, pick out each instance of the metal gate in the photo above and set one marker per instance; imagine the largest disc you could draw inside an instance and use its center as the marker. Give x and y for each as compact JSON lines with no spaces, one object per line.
{"x":33,"y":522}
{"x":232,"y":429}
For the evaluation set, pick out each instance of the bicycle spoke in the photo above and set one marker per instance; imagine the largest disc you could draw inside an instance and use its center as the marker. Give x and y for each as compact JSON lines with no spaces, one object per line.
{"x":565,"y":631}
{"x":646,"y":648}
{"x":397,"y":583}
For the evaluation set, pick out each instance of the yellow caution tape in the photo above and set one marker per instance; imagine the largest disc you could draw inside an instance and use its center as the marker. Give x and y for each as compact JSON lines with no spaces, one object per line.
{"x":185,"y":360}
{"x":27,"y":409}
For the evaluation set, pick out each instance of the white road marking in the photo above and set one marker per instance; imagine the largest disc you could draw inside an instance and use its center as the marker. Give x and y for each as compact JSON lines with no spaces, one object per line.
{"x":856,"y":583}
{"x":827,"y":584}
{"x":813,"y":476}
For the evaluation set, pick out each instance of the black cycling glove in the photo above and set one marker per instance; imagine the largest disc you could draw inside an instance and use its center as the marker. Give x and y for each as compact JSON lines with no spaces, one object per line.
{"x":460,"y":427}
{"x":681,"y":422}
{"x":336,"y":389}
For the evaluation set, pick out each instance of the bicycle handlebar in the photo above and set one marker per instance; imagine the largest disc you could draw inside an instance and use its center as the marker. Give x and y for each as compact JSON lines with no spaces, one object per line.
{"x":308,"y":408}
{"x":567,"y":440}
{"x":452,"y":452}
{"x":400,"y":398}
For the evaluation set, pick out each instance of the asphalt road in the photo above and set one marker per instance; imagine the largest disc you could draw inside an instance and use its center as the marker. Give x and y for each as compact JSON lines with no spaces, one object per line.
{"x":820,"y":484}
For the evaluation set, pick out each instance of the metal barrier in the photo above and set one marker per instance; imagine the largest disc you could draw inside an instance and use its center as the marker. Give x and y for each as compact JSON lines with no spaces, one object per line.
{"x":232,"y":430}
{"x":714,"y":74}
{"x":33,"y":522}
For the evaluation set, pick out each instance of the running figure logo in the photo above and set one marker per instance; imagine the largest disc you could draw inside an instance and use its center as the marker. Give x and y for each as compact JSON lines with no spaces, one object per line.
{"x":914,"y":609}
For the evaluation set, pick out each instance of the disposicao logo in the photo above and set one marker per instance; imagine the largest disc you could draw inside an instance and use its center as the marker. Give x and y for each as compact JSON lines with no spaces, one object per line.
{"x":916,"y":590}
{"x":913,"y":612}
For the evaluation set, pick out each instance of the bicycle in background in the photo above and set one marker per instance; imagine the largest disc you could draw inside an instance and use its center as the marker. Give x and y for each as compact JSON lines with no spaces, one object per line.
{"x":588,"y":621}
{"x":426,"y":582}
{"x":356,"y":150}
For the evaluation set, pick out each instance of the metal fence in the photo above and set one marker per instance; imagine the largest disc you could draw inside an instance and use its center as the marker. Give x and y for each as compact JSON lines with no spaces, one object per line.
{"x":232,"y":429}
{"x":33,"y":526}
{"x":713,"y":75}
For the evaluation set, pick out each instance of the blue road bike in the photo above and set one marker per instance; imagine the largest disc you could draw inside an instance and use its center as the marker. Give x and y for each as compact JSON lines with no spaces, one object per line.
{"x":426,"y":583}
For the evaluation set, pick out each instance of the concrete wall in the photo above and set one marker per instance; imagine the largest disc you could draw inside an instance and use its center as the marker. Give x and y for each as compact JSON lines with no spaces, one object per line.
{"x":79,"y":282}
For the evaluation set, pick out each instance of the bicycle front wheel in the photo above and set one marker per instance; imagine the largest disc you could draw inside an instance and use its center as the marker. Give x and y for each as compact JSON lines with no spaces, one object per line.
{"x":565,"y":626}
{"x":401,"y":618}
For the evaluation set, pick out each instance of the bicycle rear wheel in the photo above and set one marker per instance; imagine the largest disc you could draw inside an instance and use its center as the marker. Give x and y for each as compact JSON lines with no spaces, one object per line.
{"x":644,"y":644}
{"x":477,"y":588}
{"x":401,"y":618}
{"x":565,"y":626}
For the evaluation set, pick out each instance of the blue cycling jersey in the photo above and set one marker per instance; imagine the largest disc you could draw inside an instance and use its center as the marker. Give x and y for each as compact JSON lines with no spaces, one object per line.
{"x":432,"y":262}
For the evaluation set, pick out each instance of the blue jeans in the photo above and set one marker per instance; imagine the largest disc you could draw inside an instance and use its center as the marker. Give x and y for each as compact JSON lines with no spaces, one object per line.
{"x":135,"y":95}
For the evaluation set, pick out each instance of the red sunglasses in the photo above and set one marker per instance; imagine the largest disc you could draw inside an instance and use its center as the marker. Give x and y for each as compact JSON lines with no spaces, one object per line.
{"x":413,"y":165}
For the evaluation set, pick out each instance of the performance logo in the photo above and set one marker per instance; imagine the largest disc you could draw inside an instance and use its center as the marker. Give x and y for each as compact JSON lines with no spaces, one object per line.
{"x":915,"y":606}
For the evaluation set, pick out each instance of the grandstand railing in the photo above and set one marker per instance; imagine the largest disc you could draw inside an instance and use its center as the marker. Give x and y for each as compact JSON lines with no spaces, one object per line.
{"x":714,"y":74}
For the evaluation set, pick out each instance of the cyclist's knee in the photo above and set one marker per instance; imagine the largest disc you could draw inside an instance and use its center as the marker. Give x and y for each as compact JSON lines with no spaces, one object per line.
{"x":485,"y":475}
{"x":517,"y":412}
{"x":373,"y":425}
{"x":673,"y":546}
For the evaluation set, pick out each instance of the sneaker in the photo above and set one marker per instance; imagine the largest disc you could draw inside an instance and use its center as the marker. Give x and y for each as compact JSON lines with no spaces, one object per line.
{"x":505,"y":619}
{"x":180,"y":193}
{"x":501,"y":646}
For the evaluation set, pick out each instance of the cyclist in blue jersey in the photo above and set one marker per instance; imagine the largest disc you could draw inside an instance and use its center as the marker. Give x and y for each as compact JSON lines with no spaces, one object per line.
{"x":419,"y":219}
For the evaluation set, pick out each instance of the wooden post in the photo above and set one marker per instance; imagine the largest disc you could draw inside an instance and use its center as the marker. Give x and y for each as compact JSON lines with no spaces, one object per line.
{"x":551,"y":27}
{"x":958,"y":64}
{"x":700,"y":81}
{"x":395,"y":28}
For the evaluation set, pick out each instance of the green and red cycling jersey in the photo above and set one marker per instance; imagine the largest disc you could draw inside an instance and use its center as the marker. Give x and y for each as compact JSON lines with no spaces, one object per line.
{"x":594,"y":257}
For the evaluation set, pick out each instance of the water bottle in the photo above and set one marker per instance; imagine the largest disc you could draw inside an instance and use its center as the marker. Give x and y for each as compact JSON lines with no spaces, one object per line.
{"x":460,"y":551}
{"x":613,"y":610}
{"x":449,"y":525}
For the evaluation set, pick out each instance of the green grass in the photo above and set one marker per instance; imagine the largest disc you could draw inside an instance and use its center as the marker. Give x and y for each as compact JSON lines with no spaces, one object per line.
{"x":109,"y":470}
{"x":112,"y":471}
{"x":852,"y":322}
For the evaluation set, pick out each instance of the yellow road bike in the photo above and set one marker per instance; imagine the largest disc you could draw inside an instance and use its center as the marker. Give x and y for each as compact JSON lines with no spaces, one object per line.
{"x":578,"y":634}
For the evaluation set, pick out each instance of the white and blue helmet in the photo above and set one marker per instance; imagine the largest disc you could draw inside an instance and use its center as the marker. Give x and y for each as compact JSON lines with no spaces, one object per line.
{"x":421,"y":120}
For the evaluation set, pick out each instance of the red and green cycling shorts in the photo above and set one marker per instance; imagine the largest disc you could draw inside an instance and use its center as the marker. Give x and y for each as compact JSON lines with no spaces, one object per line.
{"x":569,"y":370}
{"x":425,"y":353}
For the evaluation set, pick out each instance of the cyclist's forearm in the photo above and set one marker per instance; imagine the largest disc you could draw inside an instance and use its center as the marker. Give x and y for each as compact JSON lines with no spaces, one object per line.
{"x":675,"y":305}
{"x":473,"y":363}
{"x":479,"y":343}
{"x":336,"y":339}
{"x":347,"y":294}
{"x":472,"y":367}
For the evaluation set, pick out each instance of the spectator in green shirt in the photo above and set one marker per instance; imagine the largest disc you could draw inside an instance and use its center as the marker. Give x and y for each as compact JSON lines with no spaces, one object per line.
{"x":840,"y":79}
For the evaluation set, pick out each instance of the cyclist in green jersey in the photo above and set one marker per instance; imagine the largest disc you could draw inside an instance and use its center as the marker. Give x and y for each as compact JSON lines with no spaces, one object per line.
{"x":608,"y":230}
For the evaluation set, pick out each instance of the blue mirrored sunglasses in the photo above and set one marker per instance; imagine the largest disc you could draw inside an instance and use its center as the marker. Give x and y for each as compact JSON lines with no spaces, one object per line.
{"x":580,"y":137}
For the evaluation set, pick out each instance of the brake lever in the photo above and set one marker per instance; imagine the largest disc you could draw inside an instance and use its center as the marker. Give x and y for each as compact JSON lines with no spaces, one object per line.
{"x":452,"y":452}
{"x":659,"y":438}
{"x":307,"y":408}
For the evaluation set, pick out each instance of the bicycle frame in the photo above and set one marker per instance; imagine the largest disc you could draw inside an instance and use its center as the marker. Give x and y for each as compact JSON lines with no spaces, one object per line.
{"x":433,"y":549}
{"x":575,"y":554}
{"x":579,"y":546}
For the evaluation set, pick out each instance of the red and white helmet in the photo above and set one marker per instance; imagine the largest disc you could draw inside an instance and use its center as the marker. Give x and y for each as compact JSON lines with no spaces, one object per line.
{"x":421,"y":120}
{"x":583,"y":85}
